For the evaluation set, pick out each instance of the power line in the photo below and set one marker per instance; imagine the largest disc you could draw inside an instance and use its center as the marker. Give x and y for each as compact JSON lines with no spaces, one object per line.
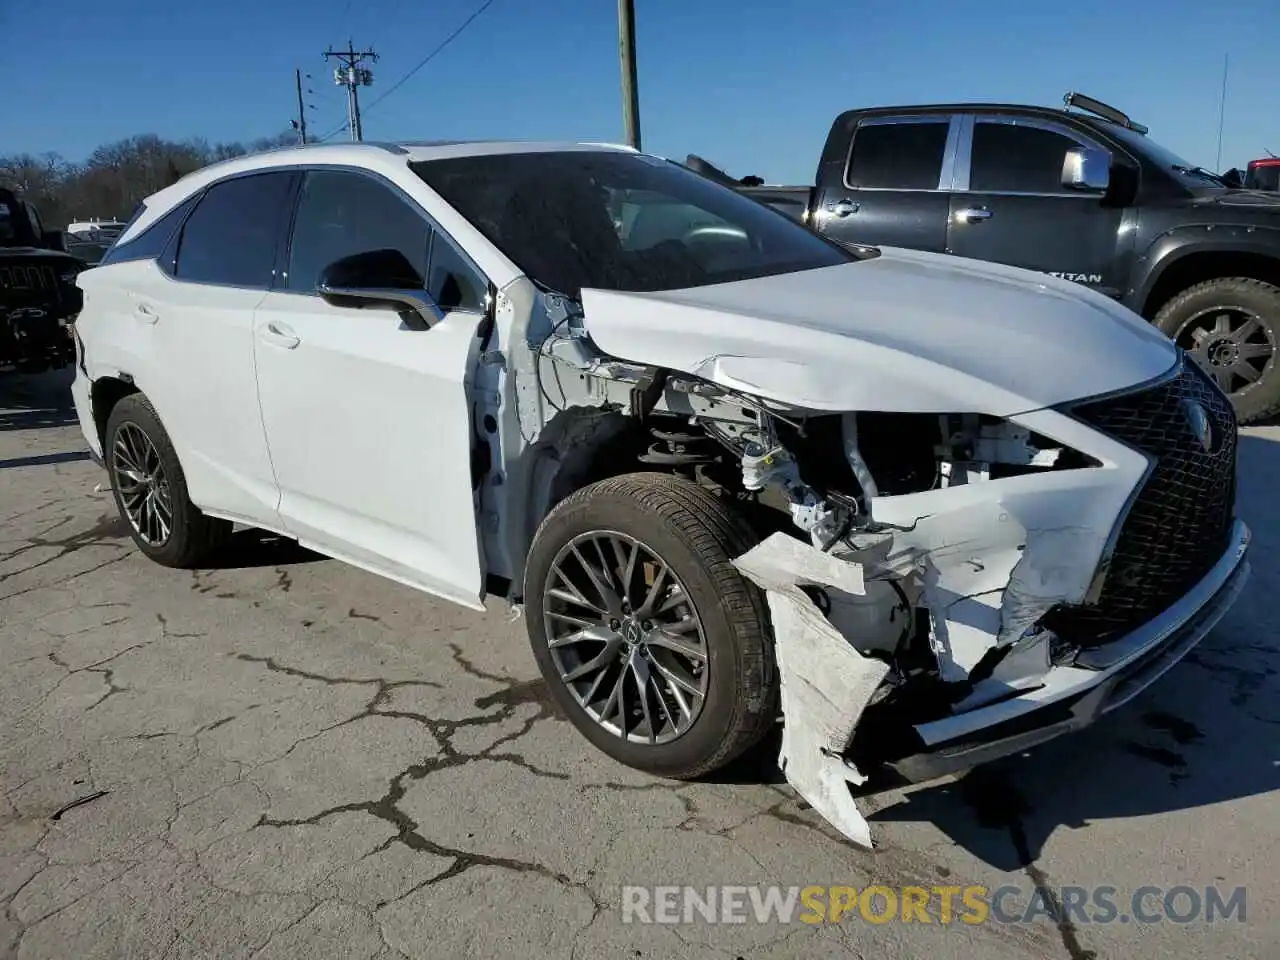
{"x":421,"y":63}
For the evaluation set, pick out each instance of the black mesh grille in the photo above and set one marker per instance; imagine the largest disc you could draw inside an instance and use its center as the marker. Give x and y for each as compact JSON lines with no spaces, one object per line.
{"x":26,"y":284}
{"x":1179,"y":522}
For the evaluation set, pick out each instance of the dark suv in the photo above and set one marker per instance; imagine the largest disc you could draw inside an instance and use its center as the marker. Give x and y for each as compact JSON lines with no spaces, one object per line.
{"x":38,"y":294}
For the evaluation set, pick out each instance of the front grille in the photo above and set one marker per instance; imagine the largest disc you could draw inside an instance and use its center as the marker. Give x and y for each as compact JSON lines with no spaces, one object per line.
{"x":28,"y":284}
{"x":1179,"y":522}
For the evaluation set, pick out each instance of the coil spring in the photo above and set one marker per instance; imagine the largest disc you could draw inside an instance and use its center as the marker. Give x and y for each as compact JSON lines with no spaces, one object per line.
{"x":679,"y":449}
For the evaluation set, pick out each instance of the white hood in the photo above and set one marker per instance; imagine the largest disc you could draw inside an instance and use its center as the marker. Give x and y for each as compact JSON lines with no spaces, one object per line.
{"x":907,"y":331}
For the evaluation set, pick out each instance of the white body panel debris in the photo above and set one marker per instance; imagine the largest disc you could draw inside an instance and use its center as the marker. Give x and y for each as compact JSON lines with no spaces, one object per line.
{"x":826,"y":683}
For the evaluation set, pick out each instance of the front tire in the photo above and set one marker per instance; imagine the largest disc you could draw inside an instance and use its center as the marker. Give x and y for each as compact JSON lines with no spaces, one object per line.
{"x":652,"y":643}
{"x":150,"y":489}
{"x":1231,"y":328}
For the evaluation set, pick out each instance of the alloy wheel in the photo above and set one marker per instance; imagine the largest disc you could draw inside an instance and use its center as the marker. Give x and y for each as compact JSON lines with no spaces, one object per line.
{"x":625,"y":637}
{"x":142,"y":484}
{"x":1231,"y":344}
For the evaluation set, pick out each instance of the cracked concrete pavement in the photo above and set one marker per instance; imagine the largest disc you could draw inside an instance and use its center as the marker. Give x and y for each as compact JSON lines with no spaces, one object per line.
{"x":284,"y":757}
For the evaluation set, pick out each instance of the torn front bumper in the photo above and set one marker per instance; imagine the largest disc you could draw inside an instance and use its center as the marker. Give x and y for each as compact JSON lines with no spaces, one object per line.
{"x":1098,"y":681}
{"x":827,"y":684}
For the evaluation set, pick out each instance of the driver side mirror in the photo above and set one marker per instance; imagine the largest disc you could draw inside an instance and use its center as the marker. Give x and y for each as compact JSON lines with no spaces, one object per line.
{"x":380,"y":278}
{"x":1086,"y":168}
{"x":1233,"y":178}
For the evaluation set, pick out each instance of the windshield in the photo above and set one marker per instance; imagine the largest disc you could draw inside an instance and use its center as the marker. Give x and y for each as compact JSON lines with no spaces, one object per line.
{"x":622,"y":221}
{"x":1164,"y":157}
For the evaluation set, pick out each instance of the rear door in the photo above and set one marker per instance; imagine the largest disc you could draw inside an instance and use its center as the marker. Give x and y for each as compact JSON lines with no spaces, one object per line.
{"x":190,"y":313}
{"x":1009,"y":205}
{"x":894,"y":188}
{"x":368,"y":419}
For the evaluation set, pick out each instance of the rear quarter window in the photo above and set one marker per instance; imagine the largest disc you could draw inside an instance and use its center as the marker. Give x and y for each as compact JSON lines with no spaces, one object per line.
{"x":150,"y":243}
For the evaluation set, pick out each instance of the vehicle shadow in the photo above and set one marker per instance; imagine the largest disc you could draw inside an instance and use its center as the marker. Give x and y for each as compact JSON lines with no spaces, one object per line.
{"x":36,"y":401}
{"x":258,"y":548}
{"x":1203,"y":734}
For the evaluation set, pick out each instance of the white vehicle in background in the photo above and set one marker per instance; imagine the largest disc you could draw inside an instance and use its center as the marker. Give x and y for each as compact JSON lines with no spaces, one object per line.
{"x":95,"y":231}
{"x":931,"y":510}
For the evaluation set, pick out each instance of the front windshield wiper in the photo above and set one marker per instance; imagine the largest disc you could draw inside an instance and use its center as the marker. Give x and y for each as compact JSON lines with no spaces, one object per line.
{"x":1200,"y":172}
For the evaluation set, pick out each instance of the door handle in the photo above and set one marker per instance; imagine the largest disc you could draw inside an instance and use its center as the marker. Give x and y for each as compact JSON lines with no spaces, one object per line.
{"x":843,"y":208}
{"x":973,"y":215}
{"x":279,"y":335}
{"x":145,"y":313}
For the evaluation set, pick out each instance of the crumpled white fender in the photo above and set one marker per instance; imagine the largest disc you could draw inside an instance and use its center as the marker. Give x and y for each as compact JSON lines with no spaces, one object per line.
{"x":826,"y":683}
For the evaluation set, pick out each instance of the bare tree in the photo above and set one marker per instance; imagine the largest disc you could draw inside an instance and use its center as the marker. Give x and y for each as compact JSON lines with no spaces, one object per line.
{"x":116,"y":176}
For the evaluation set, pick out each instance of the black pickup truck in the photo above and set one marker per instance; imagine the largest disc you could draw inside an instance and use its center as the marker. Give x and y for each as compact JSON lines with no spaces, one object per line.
{"x":38,"y":293}
{"x":1080,"y":193}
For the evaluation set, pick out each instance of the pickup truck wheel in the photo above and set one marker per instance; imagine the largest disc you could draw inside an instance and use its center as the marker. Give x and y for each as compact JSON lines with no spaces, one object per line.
{"x":151,"y":490}
{"x":651,"y":641}
{"x":1231,"y":328}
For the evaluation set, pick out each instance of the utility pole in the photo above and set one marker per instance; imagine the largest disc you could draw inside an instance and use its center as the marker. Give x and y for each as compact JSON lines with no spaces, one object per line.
{"x":301,"y":123}
{"x":1222,"y":108}
{"x":627,"y":53}
{"x":352,"y":76}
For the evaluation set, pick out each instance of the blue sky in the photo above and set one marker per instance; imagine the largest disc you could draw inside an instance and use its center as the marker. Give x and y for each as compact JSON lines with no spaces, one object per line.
{"x":748,"y":84}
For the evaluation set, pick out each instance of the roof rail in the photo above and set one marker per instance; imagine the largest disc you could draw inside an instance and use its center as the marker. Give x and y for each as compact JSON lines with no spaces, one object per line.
{"x":1103,"y":110}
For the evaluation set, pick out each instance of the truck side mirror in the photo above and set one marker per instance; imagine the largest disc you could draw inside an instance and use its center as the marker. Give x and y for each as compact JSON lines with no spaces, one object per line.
{"x":1087,"y":169}
{"x":1233,"y":178}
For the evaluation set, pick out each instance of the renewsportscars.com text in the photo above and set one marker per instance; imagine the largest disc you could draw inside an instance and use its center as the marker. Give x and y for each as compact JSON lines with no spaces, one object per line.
{"x":971,"y":904}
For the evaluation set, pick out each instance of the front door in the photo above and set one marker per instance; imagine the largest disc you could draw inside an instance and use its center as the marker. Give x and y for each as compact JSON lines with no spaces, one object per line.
{"x":894,"y":190}
{"x":368,"y":420}
{"x":1014,"y":209}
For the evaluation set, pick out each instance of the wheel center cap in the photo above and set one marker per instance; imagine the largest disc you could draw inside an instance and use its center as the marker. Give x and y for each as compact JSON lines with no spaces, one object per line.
{"x":1223,"y":352}
{"x":631,"y":631}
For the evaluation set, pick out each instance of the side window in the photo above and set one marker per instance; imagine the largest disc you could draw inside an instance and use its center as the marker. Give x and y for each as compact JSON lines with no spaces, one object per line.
{"x":151,"y":242}
{"x":451,"y":281}
{"x":230,"y":238}
{"x":898,"y":156}
{"x":341,"y":213}
{"x":1008,"y":158}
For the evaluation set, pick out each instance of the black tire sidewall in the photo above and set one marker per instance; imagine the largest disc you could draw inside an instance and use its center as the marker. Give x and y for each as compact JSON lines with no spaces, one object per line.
{"x":135,"y":409}
{"x":1261,"y":398}
{"x":715,"y":724}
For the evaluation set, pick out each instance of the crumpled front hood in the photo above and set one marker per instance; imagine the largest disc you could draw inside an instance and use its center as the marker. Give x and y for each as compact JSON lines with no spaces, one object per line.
{"x":906,"y":331}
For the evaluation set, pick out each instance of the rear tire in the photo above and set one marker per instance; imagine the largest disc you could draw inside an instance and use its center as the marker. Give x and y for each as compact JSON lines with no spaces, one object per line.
{"x":677,"y":525}
{"x":150,"y":489}
{"x":1226,"y":326}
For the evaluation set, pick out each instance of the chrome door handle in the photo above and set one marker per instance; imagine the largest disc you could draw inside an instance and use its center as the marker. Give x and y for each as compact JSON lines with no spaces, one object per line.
{"x":973,"y":215}
{"x":144,"y":313}
{"x":280,"y":335}
{"x":843,"y":208}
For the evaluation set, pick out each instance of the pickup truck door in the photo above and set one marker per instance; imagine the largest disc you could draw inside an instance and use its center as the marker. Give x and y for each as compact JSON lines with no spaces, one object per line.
{"x":367,"y":419}
{"x":893,"y":187}
{"x":1009,"y":204}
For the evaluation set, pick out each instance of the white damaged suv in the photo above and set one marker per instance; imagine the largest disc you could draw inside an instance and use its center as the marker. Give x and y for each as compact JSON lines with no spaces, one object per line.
{"x":929,"y":511}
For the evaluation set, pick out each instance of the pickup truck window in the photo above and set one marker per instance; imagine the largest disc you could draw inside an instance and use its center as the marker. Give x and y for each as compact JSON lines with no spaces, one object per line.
{"x":622,"y":221}
{"x":1009,"y":158}
{"x":898,"y":155}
